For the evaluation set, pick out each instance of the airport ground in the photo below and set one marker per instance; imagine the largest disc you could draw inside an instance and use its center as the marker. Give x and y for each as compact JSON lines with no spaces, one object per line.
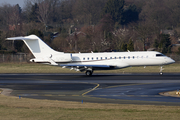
{"x":11,"y":107}
{"x":39,"y":68}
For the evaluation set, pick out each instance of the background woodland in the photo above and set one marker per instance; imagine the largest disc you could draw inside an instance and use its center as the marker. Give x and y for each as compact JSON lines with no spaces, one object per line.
{"x":93,"y":25}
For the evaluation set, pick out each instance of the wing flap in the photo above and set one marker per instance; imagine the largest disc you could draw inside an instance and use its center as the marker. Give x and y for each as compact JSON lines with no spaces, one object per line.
{"x":81,"y":65}
{"x":114,"y":65}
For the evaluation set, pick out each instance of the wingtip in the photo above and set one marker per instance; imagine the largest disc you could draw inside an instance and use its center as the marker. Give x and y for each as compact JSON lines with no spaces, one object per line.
{"x":9,"y":39}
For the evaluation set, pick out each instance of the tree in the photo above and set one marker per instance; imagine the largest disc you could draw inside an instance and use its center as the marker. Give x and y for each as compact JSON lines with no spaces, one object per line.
{"x":18,"y":45}
{"x":106,"y":28}
{"x":174,"y":17}
{"x":156,"y":44}
{"x":124,"y":47}
{"x":87,"y":11}
{"x":1,"y":39}
{"x":178,"y":52}
{"x":165,"y":43}
{"x":131,"y":14}
{"x":157,"y":11}
{"x":143,"y":30}
{"x":36,"y":32}
{"x":115,"y":9}
{"x":43,"y":12}
{"x":130,"y":45}
{"x":106,"y":23}
{"x":64,"y":11}
{"x":54,"y":5}
{"x":11,"y":15}
{"x":33,"y":14}
{"x":16,"y":14}
{"x":60,"y":44}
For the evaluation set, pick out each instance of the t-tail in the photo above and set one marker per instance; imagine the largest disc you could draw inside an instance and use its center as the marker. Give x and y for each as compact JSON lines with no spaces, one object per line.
{"x":42,"y":52}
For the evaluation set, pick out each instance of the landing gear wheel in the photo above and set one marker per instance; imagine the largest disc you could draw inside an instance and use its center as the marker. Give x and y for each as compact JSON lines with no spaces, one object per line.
{"x":160,"y":73}
{"x":89,"y":73}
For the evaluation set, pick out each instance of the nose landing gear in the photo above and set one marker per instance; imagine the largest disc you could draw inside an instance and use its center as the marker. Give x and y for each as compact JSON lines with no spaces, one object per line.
{"x":161,"y":69}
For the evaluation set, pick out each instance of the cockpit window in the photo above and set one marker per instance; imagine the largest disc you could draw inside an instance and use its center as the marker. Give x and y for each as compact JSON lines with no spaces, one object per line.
{"x":159,"y":55}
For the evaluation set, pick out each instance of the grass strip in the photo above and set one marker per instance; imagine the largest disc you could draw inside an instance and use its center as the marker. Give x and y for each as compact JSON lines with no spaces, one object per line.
{"x":40,"y":68}
{"x":30,"y":109}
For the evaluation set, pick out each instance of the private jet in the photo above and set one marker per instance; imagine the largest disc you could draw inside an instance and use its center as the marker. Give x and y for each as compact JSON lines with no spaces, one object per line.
{"x":89,"y":62}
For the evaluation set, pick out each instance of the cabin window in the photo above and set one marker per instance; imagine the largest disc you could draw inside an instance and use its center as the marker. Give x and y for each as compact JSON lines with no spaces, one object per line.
{"x":137,"y":57}
{"x":119,"y":57}
{"x":105,"y":57}
{"x":141,"y":56}
{"x":159,"y":55}
{"x":88,"y":58}
{"x":114,"y":57}
{"x":83,"y":58}
{"x":92,"y":58}
{"x":97,"y":58}
{"x":128,"y":57}
{"x":124,"y":57}
{"x":146,"y":56}
{"x":101,"y":58}
{"x":110,"y":57}
{"x":133,"y":57}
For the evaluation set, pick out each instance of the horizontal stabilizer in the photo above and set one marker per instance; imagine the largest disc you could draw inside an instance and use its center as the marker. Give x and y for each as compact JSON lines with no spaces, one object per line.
{"x":21,"y":38}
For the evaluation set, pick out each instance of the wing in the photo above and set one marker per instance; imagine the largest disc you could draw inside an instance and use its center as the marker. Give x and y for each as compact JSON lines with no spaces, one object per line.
{"x":84,"y":67}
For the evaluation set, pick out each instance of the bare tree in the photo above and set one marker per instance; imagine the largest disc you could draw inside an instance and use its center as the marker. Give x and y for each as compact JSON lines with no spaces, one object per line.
{"x":11,"y":15}
{"x":43,"y":12}
{"x":144,"y":31}
{"x":88,"y":11}
{"x":157,"y":11}
{"x":16,"y":15}
{"x":6,"y":10}
{"x":122,"y":36}
{"x":46,"y":9}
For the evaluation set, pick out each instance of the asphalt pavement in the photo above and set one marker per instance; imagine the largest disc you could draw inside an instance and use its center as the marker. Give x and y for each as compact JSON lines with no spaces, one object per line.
{"x":99,"y":88}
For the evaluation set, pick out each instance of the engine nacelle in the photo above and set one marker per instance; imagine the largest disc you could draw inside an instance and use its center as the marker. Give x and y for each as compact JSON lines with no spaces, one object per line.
{"x":37,"y":60}
{"x":53,"y":59}
{"x":62,"y":58}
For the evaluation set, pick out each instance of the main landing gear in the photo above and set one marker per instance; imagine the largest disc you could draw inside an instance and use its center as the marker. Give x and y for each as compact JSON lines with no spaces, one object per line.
{"x":89,"y":72}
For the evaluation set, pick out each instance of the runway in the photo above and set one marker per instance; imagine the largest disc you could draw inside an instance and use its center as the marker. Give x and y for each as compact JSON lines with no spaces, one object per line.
{"x":100,"y":88}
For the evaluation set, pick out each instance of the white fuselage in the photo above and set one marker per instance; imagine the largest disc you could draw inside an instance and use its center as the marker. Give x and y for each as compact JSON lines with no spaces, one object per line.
{"x":119,"y":59}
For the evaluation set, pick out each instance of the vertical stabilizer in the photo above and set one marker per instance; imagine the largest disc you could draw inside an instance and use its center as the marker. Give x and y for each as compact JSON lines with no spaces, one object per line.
{"x":38,"y":48}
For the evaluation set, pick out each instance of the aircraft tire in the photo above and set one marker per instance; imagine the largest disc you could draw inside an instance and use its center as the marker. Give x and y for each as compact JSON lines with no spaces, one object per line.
{"x":88,"y":72}
{"x":160,"y":73}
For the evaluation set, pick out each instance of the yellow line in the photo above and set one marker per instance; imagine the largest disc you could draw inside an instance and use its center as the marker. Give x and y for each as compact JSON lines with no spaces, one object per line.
{"x":48,"y":95}
{"x":75,"y":95}
{"x":126,"y":85}
{"x":61,"y":95}
{"x":110,"y":87}
{"x":90,"y":90}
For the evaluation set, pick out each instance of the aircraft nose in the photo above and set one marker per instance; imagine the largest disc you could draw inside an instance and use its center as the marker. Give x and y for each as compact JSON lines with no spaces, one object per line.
{"x":171,"y":61}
